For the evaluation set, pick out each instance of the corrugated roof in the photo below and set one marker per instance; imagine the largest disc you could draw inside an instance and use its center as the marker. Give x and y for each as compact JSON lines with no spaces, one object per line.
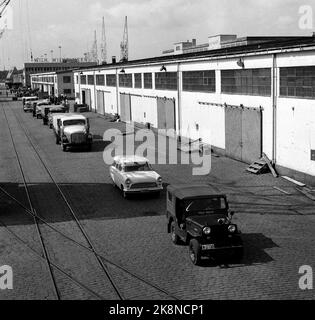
{"x":249,"y":48}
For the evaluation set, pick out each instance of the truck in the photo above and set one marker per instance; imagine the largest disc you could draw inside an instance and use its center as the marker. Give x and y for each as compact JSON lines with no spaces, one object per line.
{"x":72,"y":130}
{"x":47,"y":110}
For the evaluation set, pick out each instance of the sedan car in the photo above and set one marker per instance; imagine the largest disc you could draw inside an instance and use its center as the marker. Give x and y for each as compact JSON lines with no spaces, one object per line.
{"x":133,"y":174}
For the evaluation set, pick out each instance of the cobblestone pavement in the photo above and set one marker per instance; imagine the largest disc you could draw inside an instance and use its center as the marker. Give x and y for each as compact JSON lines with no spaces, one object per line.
{"x":278,"y":230}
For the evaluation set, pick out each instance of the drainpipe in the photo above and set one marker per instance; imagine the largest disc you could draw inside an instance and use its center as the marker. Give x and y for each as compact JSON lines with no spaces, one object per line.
{"x":179,"y":101}
{"x":79,"y":79}
{"x":117,"y":93}
{"x":95,"y":96}
{"x":274,"y":109}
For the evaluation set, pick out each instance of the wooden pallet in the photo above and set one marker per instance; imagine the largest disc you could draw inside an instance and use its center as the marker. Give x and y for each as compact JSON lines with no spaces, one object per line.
{"x":262,"y":165}
{"x":258,"y":167}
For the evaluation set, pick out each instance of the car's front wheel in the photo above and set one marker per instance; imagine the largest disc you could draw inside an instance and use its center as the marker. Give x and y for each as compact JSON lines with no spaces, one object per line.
{"x":195,"y":252}
{"x":174,"y":236}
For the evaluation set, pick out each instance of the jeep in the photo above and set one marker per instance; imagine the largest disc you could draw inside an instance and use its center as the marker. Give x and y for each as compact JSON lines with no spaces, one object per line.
{"x":199,"y":216}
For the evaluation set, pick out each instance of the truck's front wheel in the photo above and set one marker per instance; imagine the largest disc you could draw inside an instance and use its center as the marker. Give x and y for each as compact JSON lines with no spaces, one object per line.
{"x":194,"y":252}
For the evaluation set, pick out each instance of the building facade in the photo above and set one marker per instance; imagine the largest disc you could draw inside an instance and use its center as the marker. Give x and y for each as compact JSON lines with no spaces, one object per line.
{"x":54,"y":83}
{"x":46,"y":67}
{"x":243,"y":101}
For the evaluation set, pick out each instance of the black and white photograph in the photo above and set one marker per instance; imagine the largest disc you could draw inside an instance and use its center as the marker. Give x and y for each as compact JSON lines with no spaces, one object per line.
{"x":156,"y":151}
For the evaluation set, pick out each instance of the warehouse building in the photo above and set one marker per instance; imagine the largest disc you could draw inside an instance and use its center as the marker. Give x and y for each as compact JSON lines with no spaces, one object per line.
{"x":54,"y":83}
{"x":45,"y":67}
{"x":243,"y":100}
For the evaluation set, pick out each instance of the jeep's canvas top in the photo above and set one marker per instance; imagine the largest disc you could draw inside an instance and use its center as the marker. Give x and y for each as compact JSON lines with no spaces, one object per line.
{"x":193,"y":191}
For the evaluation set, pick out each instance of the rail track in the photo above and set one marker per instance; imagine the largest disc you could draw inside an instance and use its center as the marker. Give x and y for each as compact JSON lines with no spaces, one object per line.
{"x":88,"y":246}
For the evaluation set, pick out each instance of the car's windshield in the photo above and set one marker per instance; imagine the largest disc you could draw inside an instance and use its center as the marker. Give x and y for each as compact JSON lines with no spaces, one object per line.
{"x":137,"y":167}
{"x":201,"y":206}
{"x":74,"y":122}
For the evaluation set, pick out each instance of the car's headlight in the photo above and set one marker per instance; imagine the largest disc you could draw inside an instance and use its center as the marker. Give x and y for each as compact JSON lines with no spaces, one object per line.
{"x":232,"y":228}
{"x":128,"y":183}
{"x":207,"y":230}
{"x":159,"y":180}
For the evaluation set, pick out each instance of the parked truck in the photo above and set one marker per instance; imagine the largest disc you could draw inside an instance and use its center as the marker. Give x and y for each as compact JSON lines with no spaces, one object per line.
{"x":72,"y":130}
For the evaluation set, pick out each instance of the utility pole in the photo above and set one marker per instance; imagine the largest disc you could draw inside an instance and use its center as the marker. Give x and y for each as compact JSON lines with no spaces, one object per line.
{"x":124,"y":44}
{"x":60,"y":53}
{"x":103,"y":44}
{"x":52,"y":55}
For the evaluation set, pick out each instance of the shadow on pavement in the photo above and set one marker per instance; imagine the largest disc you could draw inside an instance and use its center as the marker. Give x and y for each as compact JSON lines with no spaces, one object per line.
{"x":89,"y":201}
{"x":255,"y":245}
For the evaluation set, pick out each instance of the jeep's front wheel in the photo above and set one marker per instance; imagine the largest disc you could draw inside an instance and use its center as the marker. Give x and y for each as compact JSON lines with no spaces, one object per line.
{"x":174,"y":236}
{"x":194,"y":252}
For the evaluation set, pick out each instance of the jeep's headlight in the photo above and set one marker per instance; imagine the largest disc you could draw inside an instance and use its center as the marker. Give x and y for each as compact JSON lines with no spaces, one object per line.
{"x":232,"y":228}
{"x":207,"y":230}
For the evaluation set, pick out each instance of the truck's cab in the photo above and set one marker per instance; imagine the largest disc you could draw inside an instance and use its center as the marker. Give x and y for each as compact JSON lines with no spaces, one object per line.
{"x":200,"y":217}
{"x":46,"y":110}
{"x":37,"y":107}
{"x":72,"y":130}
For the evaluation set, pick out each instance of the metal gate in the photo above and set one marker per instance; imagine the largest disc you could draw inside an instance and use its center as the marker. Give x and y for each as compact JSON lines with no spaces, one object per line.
{"x":243,"y":131}
{"x":100,"y":102}
{"x":125,"y":107}
{"x":166,"y":113}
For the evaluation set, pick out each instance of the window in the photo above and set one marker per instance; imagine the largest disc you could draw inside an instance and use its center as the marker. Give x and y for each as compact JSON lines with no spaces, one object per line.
{"x":297,"y":82}
{"x":166,"y":80}
{"x":83,"y":79}
{"x":66,"y":79}
{"x":100,"y":80}
{"x":138,"y":80}
{"x":90,"y":79}
{"x":125,"y":80}
{"x":147,"y":78}
{"x":67,"y":91}
{"x":111,"y":80}
{"x":199,"y":81}
{"x":256,"y":82}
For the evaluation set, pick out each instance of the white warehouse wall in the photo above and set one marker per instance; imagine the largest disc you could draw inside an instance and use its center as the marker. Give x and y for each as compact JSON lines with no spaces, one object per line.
{"x":295,"y":127}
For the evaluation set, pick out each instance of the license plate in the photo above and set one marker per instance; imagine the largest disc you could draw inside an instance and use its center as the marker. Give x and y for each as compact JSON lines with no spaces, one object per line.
{"x":207,"y":246}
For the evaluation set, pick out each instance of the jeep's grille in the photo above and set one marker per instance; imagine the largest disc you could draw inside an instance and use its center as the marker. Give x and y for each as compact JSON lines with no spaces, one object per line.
{"x":143,"y":185}
{"x":78,"y":138}
{"x":219,"y":232}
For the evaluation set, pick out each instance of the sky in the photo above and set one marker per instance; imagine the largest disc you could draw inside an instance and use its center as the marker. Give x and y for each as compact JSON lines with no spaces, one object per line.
{"x":154,"y":25}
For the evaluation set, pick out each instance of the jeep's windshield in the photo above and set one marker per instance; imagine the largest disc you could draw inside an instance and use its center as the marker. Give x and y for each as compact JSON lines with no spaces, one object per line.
{"x":74,"y":122}
{"x":207,"y":205}
{"x":137,"y":167}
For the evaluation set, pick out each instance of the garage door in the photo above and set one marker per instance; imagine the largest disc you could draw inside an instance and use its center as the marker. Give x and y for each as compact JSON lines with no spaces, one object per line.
{"x":144,"y":110}
{"x":125,"y":107}
{"x":166,"y":113}
{"x":100,"y":102}
{"x":243,"y":129}
{"x":86,"y":97}
{"x":110,"y":103}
